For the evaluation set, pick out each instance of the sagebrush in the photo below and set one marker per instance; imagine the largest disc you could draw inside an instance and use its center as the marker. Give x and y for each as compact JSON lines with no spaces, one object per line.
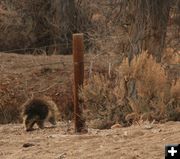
{"x":139,"y":91}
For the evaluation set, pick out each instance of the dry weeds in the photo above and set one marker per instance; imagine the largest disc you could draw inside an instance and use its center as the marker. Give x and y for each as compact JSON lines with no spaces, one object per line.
{"x":139,"y":91}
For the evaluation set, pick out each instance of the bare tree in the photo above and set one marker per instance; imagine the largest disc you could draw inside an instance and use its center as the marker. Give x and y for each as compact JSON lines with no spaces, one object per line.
{"x":63,"y":23}
{"x":148,"y":30}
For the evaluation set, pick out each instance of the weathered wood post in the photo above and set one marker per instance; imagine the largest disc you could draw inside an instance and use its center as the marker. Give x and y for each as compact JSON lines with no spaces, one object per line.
{"x":78,"y":60}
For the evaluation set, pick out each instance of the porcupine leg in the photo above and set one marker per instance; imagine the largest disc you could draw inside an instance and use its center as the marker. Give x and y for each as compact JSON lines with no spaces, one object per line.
{"x":29,"y":123}
{"x":52,"y":120}
{"x":40,"y":123}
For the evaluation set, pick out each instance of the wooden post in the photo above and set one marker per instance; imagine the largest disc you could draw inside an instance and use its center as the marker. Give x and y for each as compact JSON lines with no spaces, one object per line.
{"x":78,"y":60}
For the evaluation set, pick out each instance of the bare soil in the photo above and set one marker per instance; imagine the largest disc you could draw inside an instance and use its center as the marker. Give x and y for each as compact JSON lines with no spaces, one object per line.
{"x":135,"y":142}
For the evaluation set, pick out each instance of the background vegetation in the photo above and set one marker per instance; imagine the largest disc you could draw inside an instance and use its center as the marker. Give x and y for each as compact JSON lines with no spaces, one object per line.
{"x":132,"y":66}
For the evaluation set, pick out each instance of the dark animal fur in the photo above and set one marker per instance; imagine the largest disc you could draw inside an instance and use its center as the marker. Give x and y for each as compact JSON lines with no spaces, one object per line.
{"x":38,"y":110}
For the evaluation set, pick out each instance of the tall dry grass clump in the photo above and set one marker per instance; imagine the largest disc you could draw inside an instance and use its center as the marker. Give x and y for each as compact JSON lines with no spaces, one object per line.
{"x":139,"y":91}
{"x":173,"y":106}
{"x":147,"y":86}
{"x":103,"y":106}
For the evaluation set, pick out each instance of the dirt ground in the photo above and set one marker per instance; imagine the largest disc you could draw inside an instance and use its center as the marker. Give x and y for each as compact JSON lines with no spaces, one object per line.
{"x":135,"y":142}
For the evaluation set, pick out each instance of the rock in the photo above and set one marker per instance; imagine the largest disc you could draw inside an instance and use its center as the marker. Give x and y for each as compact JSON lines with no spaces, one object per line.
{"x":28,"y":145}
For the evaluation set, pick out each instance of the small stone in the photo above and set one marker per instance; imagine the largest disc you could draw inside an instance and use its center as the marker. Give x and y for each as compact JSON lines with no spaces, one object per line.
{"x":28,"y":145}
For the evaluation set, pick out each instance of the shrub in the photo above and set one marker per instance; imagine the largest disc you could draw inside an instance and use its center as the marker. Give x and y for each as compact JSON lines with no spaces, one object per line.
{"x":172,"y":110}
{"x":139,"y":91}
{"x":104,"y":106}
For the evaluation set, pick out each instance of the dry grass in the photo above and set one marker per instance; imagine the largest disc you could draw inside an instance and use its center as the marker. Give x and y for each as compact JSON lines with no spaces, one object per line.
{"x":175,"y":93}
{"x":140,"y":91}
{"x":103,"y":107}
{"x":24,"y":75}
{"x":125,"y":95}
{"x":11,"y":95}
{"x":173,"y":106}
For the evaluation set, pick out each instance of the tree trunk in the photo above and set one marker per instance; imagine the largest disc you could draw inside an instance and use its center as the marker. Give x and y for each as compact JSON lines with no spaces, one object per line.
{"x":148,"y":31}
{"x":63,"y":24}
